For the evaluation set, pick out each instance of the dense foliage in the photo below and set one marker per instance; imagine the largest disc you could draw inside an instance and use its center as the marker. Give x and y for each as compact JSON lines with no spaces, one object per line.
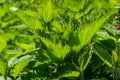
{"x":59,"y":40}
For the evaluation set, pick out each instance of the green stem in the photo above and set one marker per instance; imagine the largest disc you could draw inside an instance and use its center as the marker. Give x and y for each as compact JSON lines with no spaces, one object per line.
{"x":81,"y":76}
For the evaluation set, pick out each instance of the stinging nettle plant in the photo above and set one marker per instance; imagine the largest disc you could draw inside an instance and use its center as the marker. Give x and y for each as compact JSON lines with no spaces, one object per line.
{"x":56,"y":41}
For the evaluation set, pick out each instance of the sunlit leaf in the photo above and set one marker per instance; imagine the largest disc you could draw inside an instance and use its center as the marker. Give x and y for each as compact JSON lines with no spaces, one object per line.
{"x":2,"y":66}
{"x":46,"y":11}
{"x":71,"y":74}
{"x":20,"y":66}
{"x":87,"y":31}
{"x":56,"y":50}
{"x":26,"y":46}
{"x":3,"y":43}
{"x":29,"y":21}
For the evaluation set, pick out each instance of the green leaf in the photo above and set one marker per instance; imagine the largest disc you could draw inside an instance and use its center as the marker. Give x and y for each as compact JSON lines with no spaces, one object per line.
{"x":67,"y":31}
{"x":103,"y":54}
{"x":3,"y":43}
{"x":115,"y":56}
{"x":106,"y":40}
{"x":56,"y":50}
{"x":20,"y":66}
{"x":30,"y":13}
{"x":26,"y":46}
{"x":85,"y":58}
{"x":30,"y":21}
{"x":74,"y":5}
{"x":2,"y":66}
{"x":87,"y":31}
{"x":57,"y":26}
{"x":71,"y":74}
{"x":109,"y":43}
{"x":45,"y":11}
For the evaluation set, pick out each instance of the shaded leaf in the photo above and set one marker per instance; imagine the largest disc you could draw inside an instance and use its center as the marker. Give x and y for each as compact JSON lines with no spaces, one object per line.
{"x":85,"y":58}
{"x":103,"y":54}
